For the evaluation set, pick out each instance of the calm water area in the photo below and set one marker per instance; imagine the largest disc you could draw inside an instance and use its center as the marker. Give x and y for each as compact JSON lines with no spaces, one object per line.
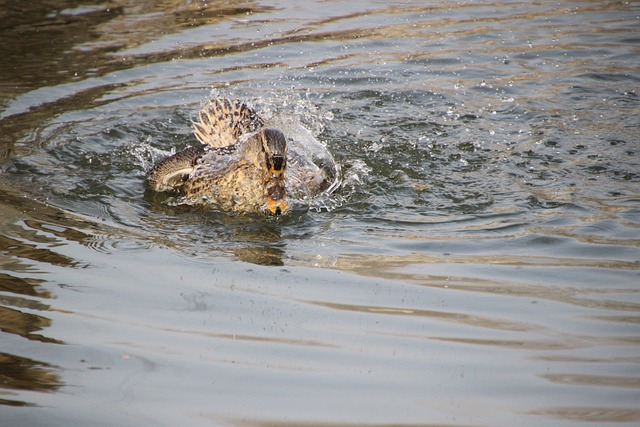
{"x":478,"y":264}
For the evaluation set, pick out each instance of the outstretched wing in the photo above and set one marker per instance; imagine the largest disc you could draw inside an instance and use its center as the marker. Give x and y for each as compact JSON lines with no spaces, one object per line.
{"x":171,"y":173}
{"x":223,"y":121}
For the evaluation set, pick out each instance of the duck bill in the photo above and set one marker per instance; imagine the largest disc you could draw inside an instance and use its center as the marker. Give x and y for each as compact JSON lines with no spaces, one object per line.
{"x":276,"y":207}
{"x":277,"y":174}
{"x":276,"y":197}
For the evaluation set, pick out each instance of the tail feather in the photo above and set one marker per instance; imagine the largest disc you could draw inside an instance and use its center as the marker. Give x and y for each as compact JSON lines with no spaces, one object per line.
{"x":222,"y":122}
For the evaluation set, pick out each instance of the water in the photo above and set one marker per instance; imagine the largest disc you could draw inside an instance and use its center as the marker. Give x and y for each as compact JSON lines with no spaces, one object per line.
{"x":479,"y":263}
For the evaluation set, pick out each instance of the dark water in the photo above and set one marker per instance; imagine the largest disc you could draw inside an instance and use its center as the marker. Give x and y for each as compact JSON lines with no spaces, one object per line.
{"x":478,"y":265}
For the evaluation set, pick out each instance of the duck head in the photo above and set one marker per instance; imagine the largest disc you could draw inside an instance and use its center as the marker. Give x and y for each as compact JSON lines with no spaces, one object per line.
{"x":274,"y":148}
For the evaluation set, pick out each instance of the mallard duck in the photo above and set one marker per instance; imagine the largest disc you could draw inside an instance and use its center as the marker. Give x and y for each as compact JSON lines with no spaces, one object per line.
{"x":246,"y":165}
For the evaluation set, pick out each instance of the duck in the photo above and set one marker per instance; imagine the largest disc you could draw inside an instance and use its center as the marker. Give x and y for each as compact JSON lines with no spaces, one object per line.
{"x":245,"y":164}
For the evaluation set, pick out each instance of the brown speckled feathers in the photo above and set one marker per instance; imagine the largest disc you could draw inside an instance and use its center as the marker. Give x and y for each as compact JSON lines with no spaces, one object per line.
{"x":223,"y":121}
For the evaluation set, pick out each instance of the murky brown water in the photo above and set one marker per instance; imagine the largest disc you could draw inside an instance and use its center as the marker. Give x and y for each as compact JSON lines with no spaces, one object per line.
{"x":479,"y":264}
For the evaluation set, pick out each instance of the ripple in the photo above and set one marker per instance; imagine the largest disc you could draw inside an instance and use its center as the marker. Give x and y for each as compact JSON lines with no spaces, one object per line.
{"x":591,"y":413}
{"x":469,"y":320}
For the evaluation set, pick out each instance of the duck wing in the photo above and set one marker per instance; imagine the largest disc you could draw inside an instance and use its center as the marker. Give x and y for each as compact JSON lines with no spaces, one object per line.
{"x":171,"y":173}
{"x":223,"y":121}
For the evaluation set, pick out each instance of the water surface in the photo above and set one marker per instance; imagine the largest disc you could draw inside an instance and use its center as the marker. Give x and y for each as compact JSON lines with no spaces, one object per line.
{"x":479,"y":263}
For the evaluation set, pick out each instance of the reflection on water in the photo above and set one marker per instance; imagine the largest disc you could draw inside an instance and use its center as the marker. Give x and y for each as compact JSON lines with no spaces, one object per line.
{"x":19,"y":373}
{"x":24,"y":304}
{"x":478,"y":264}
{"x":17,"y":285}
{"x":23,"y":324}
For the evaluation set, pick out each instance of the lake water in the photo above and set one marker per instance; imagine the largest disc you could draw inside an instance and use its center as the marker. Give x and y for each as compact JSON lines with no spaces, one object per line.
{"x":478,"y":265}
